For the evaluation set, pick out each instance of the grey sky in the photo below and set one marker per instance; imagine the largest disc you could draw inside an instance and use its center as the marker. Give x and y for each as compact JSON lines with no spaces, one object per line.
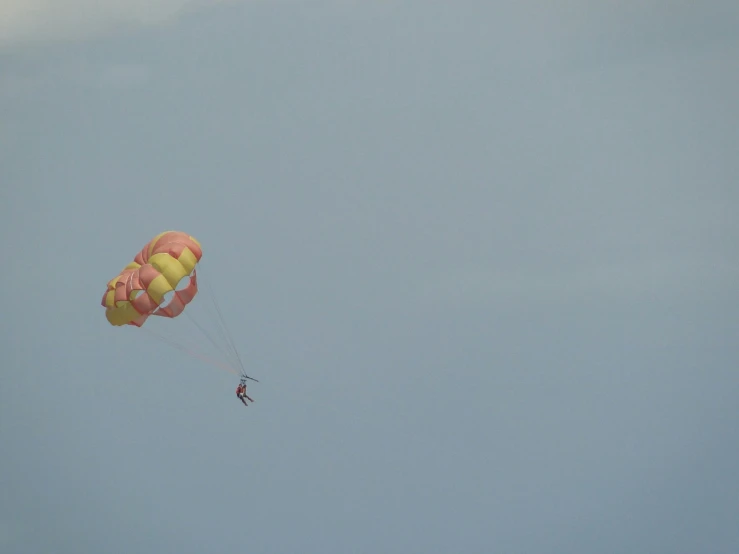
{"x":481,"y":256}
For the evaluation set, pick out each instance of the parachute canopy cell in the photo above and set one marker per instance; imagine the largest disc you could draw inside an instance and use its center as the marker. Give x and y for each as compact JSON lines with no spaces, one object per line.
{"x":142,"y":287}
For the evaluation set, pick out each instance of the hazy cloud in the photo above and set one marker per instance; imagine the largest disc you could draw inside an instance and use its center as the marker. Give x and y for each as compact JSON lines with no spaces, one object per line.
{"x":41,"y":20}
{"x":17,"y":82}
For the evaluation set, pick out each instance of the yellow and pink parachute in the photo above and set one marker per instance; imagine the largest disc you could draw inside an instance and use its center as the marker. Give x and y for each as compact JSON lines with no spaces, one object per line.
{"x":142,"y":286}
{"x":161,"y":281}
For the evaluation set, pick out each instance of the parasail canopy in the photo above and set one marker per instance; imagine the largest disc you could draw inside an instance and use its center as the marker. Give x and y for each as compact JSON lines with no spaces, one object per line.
{"x":149,"y":285}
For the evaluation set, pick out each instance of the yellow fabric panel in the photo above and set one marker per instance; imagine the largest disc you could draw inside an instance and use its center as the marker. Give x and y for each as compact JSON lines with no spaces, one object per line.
{"x":159,"y":287}
{"x":132,"y":265}
{"x":121,"y":315}
{"x":109,"y":298}
{"x":170,"y":267}
{"x":188,"y":260}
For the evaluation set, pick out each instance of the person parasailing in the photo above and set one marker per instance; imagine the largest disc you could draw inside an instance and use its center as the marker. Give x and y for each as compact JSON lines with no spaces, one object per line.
{"x":241,"y":392}
{"x":161,"y":282}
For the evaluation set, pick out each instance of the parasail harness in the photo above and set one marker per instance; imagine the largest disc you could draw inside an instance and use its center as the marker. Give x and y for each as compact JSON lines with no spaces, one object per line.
{"x":245,"y":377}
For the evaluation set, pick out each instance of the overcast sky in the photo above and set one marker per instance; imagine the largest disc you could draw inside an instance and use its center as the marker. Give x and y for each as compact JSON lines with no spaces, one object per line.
{"x":482,"y":257}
